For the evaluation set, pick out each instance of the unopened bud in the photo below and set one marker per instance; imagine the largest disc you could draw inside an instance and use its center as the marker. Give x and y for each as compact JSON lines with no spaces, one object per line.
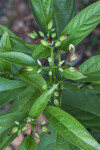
{"x":33,"y":35}
{"x":45,"y":43}
{"x":50,"y":41}
{"x":44,"y":129}
{"x":39,"y":70}
{"x":50,"y":73}
{"x":41,"y":34}
{"x":56,"y":102}
{"x":48,"y":34}
{"x":14,"y":130}
{"x":39,"y":63}
{"x":17,"y":123}
{"x":64,"y":37}
{"x":71,"y":47}
{"x":57,"y":43}
{"x":53,"y":30}
{"x":49,"y":59}
{"x":50,"y":25}
{"x":72,"y":69}
{"x":19,"y":132}
{"x":28,"y":119}
{"x":43,"y":122}
{"x":61,"y":62}
{"x":24,"y":128}
{"x":28,"y":68}
{"x":53,"y":35}
{"x":37,"y":40}
{"x":61,"y":70}
{"x":36,"y":134}
{"x":56,"y":94}
{"x":44,"y":87}
{"x":75,"y":56}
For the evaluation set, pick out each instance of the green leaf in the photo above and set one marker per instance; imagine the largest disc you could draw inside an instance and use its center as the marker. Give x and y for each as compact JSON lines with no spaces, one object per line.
{"x":41,"y":52}
{"x":70,"y":129}
{"x":5,"y":65}
{"x":83,"y":104}
{"x":17,"y":44}
{"x":96,"y":135}
{"x":72,"y":75}
{"x":5,"y":45}
{"x":10,"y":89}
{"x":82,"y":25}
{"x":28,"y":143}
{"x":41,"y":103}
{"x":54,"y":141}
{"x":7,"y":121}
{"x":18,"y":58}
{"x":64,"y":11}
{"x":33,"y":78}
{"x":25,"y":100}
{"x":42,"y":11}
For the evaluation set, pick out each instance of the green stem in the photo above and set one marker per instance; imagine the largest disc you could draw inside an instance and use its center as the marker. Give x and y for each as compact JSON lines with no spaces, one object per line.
{"x":59,"y":59}
{"x":52,"y":56}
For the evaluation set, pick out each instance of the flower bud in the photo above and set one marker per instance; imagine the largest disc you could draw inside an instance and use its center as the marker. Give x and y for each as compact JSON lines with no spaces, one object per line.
{"x":41,"y":34}
{"x":53,"y":35}
{"x":37,"y":40}
{"x":75,"y":56}
{"x":28,"y":68}
{"x":57,"y":43}
{"x":56,"y":102}
{"x":61,"y":63}
{"x":33,"y":35}
{"x":36,"y":134}
{"x":72,"y":69}
{"x":17,"y":123}
{"x":50,"y":25}
{"x":49,"y":59}
{"x":14,"y":130}
{"x":56,"y":94}
{"x":61,"y":70}
{"x":50,"y":73}
{"x":24,"y":128}
{"x":39,"y":63}
{"x":19,"y":132}
{"x":71,"y":47}
{"x":50,"y":41}
{"x":52,"y":30}
{"x":43,"y":122}
{"x":44,"y":129}
{"x":45,"y":43}
{"x":44,"y":87}
{"x":39,"y":70}
{"x":64,"y":37}
{"x":28,"y":119}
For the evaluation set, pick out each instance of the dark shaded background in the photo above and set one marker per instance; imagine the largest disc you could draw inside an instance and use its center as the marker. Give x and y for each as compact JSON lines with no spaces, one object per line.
{"x":16,"y":15}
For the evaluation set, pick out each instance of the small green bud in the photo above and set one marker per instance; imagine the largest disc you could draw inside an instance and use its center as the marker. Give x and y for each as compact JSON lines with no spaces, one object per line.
{"x":50,"y":25}
{"x":56,"y":94}
{"x":49,"y":59}
{"x":41,"y":34}
{"x":71,"y":47}
{"x":24,"y":128}
{"x":38,"y":61}
{"x":33,"y":35}
{"x":61,"y":70}
{"x":36,"y":134}
{"x":43,"y":122}
{"x":19,"y":132}
{"x":28,"y":119}
{"x":17,"y":123}
{"x":28,"y":68}
{"x":53,"y":35}
{"x":61,"y":62}
{"x":14,"y":130}
{"x":56,"y":102}
{"x":44,"y":129}
{"x":44,"y":87}
{"x":48,"y":34}
{"x":45,"y":43}
{"x":62,"y":38}
{"x":50,"y":73}
{"x":53,"y":30}
{"x":39,"y":70}
{"x":57,"y":43}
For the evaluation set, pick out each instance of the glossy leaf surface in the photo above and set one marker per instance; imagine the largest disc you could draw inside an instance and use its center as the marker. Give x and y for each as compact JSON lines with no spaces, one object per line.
{"x":41,"y":103}
{"x":18,"y":58}
{"x":33,"y":78}
{"x":28,"y":143}
{"x":81,"y":25}
{"x":70,"y":129}
{"x":64,"y":11}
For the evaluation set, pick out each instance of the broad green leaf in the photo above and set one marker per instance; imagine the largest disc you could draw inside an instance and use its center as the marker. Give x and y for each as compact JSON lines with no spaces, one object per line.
{"x":64,"y":11}
{"x":41,"y":103}
{"x":4,"y":65}
{"x":70,"y":129}
{"x":5,"y":140}
{"x":7,"y":121}
{"x":33,"y":78}
{"x":10,"y":89}
{"x":28,"y":143}
{"x":18,"y":58}
{"x":54,"y":141}
{"x":42,"y":11}
{"x":41,"y":52}
{"x":25,"y":100}
{"x":83,"y":104}
{"x":81,"y":25}
{"x":17,"y":44}
{"x":72,"y":75}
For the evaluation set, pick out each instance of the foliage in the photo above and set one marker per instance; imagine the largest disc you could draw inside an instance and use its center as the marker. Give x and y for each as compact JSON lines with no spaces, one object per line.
{"x":69,"y":97}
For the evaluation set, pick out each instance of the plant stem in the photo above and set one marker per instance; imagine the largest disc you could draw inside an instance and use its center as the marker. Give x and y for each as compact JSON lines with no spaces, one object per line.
{"x":59,"y":59}
{"x":52,"y":56}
